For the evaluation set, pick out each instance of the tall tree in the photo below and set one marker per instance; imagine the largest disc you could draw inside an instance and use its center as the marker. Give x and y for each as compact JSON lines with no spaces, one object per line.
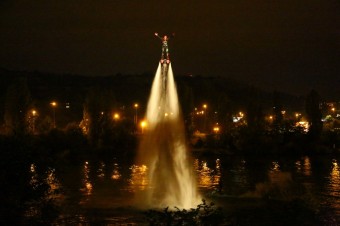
{"x":98,"y":108}
{"x":277,"y":111}
{"x":314,"y":114}
{"x":17,"y":103}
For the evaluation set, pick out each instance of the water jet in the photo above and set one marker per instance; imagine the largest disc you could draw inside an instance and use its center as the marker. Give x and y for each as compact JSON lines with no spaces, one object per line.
{"x":163,"y":150}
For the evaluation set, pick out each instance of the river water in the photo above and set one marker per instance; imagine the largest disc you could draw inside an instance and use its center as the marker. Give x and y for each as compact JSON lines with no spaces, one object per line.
{"x":109,"y":186}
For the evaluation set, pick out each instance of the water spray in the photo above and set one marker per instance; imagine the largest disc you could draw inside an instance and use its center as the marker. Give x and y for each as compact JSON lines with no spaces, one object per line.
{"x":163,"y":149}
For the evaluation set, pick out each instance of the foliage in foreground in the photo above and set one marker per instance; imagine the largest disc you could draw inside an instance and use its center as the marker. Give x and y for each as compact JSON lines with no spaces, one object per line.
{"x":204,"y":214}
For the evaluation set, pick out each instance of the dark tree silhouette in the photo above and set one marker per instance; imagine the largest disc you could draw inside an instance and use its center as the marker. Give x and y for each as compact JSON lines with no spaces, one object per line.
{"x":17,"y":103}
{"x":277,"y":110}
{"x":98,"y":108}
{"x":314,"y":114}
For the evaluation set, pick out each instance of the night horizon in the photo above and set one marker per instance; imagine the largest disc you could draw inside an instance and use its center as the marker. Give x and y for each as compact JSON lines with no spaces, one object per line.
{"x":291,"y":47}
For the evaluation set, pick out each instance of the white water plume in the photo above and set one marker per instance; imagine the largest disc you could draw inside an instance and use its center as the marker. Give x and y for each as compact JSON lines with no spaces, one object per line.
{"x":171,"y":178}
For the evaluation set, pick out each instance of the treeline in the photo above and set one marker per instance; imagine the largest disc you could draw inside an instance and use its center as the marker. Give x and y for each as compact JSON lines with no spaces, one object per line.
{"x":87,"y":104}
{"x":218,"y":92}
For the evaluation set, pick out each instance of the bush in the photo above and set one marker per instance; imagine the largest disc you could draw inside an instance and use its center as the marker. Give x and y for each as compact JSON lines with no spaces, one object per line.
{"x":204,"y":214}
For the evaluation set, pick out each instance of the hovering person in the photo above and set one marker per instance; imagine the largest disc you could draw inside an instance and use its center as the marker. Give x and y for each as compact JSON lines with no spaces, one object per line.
{"x":165,"y":48}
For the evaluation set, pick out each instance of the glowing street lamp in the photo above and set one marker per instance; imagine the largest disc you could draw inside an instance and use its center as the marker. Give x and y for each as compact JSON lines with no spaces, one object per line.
{"x":143,"y":125}
{"x":297,"y":115}
{"x":54,"y":105}
{"x":34,"y":114}
{"x":205,"y":106}
{"x":116,"y":116}
{"x":216,"y":129}
{"x":136,"y":113}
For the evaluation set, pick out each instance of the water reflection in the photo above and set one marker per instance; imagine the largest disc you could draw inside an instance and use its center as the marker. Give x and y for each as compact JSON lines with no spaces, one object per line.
{"x":275,"y":167}
{"x":334,"y":185}
{"x":304,"y":166}
{"x":239,"y":174}
{"x":307,"y":167}
{"x":138,"y":180}
{"x":208,"y":177}
{"x":87,"y":185}
{"x":34,"y":176}
{"x":115,"y":173}
{"x":275,"y":175}
{"x":101,"y":170}
{"x":298,"y":166}
{"x":53,"y":183}
{"x":115,"y":182}
{"x":49,"y":177}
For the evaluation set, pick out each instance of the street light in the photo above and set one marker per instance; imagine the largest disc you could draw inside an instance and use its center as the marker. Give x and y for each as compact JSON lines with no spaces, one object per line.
{"x":143,"y":124}
{"x":205,"y":117}
{"x":34,"y":113}
{"x":136,"y":113}
{"x":216,"y":129}
{"x":54,"y":105}
{"x":116,"y":116}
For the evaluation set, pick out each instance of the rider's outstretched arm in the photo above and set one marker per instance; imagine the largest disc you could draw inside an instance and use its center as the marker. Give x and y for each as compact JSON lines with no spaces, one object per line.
{"x":156,"y":34}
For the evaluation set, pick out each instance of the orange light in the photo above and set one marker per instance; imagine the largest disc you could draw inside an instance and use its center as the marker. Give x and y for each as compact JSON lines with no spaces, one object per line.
{"x":116,"y":116}
{"x":216,"y":129}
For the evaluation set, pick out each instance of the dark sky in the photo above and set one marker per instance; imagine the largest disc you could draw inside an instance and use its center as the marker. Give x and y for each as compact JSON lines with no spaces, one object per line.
{"x":288,"y":45}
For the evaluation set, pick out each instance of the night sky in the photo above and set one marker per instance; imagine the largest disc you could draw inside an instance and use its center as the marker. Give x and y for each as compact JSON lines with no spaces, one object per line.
{"x":288,"y":45}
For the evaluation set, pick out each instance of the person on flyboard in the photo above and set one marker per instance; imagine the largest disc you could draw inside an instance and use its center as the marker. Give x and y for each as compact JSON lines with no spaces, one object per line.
{"x":165,"y":48}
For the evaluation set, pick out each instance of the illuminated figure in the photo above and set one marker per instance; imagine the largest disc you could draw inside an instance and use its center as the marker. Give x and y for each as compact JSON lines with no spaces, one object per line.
{"x":165,"y":48}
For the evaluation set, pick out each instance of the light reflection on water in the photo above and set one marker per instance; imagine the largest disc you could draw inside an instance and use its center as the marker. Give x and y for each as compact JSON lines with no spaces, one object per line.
{"x":307,"y":169}
{"x":101,"y":170}
{"x":333,"y":188}
{"x":34,"y":176}
{"x":116,"y":175}
{"x":87,"y":185}
{"x":208,"y":177}
{"x":53,"y":183}
{"x":51,"y":180}
{"x":138,"y":180}
{"x":115,"y":181}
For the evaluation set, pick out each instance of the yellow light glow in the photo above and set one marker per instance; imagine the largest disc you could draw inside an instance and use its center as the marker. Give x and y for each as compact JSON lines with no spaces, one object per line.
{"x":34,"y":112}
{"x":139,"y":179}
{"x":143,"y":125}
{"x":207,"y":177}
{"x":115,"y":174}
{"x":205,"y":106}
{"x":136,"y":105}
{"x":216,"y":129}
{"x":53,"y":104}
{"x":116,"y":116}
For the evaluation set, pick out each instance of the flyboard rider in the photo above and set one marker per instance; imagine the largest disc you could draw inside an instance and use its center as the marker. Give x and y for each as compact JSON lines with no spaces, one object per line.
{"x":165,"y":48}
